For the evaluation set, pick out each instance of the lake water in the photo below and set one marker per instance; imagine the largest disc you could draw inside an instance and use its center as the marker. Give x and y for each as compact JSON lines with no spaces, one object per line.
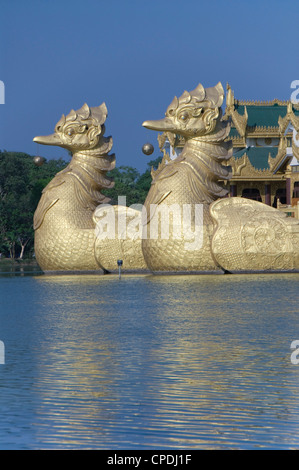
{"x":149,"y":362}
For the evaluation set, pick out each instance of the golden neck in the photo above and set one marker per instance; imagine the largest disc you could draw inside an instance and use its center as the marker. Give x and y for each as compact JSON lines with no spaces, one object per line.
{"x":204,"y":158}
{"x":89,"y":168}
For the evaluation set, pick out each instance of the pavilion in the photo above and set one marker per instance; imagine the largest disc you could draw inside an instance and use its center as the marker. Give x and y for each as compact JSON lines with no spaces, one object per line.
{"x":265,"y":161}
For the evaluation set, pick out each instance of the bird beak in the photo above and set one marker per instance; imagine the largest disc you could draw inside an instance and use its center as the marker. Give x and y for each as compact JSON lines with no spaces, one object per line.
{"x":163,"y":125}
{"x":52,"y":139}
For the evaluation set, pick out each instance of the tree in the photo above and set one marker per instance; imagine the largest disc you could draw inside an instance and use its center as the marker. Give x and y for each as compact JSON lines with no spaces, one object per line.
{"x":21,"y":184}
{"x":130,"y":183}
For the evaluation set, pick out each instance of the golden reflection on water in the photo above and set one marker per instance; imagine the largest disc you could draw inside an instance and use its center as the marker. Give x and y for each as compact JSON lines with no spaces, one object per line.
{"x":177,"y":361}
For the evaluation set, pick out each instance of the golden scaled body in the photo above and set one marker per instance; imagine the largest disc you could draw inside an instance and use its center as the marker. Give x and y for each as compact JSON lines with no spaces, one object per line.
{"x":64,"y":221}
{"x":237,"y":234}
{"x":64,"y":233}
{"x":185,"y":187}
{"x":252,"y":237}
{"x":186,"y":225}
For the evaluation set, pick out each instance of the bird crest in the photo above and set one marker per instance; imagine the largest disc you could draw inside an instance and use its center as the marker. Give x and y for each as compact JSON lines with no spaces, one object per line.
{"x":208,"y":98}
{"x":96,"y":116}
{"x":79,"y":130}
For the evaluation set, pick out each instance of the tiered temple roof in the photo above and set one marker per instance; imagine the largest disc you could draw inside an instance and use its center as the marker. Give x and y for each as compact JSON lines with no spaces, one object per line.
{"x":265,"y":161}
{"x":263,"y":132}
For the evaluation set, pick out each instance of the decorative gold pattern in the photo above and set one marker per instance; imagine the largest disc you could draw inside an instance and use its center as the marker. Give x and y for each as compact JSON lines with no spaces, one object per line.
{"x":251,"y":236}
{"x":124,"y":244}
{"x":278,"y":138}
{"x":290,"y":117}
{"x":243,"y":167}
{"x":238,"y":120}
{"x":295,"y":148}
{"x":261,"y":102}
{"x":64,"y":221}
{"x":72,"y":232}
{"x":276,"y":161}
{"x":190,"y":179}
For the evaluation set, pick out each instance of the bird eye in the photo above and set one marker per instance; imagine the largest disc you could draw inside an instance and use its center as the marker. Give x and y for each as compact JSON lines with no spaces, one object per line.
{"x":184,"y":116}
{"x":70,"y":132}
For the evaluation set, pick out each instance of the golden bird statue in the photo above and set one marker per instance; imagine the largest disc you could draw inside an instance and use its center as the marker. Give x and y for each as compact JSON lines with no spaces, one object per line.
{"x":187,"y":223}
{"x":66,"y":217}
{"x":230,"y":234}
{"x":188,"y":182}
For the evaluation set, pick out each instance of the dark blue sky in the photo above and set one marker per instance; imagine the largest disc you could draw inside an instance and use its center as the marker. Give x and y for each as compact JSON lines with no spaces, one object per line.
{"x":136,"y":56}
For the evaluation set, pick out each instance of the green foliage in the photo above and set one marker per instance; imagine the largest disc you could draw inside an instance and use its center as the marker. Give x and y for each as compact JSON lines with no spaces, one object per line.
{"x":130,"y":183}
{"x":21,"y":185}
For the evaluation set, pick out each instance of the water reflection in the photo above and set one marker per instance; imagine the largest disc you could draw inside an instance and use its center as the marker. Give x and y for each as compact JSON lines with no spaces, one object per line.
{"x":17,"y":267}
{"x":150,"y":362}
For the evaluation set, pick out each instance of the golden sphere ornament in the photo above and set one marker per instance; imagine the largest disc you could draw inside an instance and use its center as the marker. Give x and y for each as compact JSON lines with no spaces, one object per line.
{"x":148,"y":149}
{"x":39,"y":161}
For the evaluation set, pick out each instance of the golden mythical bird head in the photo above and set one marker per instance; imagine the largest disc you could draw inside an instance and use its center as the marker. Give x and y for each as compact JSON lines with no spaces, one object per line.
{"x":194,"y":114}
{"x":79,"y":130}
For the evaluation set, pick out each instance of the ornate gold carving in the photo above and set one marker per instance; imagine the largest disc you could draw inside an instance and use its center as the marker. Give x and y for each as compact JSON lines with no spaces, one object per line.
{"x":243,"y":167}
{"x":64,"y":221}
{"x":261,"y":102}
{"x":237,"y":141}
{"x":290,"y":117}
{"x":295,"y":148}
{"x":274,"y":162}
{"x":166,"y":159}
{"x":240,"y":121}
{"x":238,"y":164}
{"x":72,"y":232}
{"x":262,"y":131}
{"x":251,"y":236}
{"x":122,"y":242}
{"x":188,"y":180}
